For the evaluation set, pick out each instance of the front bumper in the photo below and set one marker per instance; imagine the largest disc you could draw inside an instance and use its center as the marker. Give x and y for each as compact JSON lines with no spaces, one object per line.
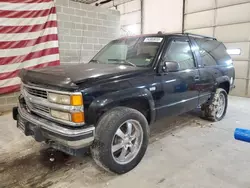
{"x":68,"y":140}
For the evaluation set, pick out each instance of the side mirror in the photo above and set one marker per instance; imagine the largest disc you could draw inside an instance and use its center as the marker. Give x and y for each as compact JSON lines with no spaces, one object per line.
{"x":170,"y":66}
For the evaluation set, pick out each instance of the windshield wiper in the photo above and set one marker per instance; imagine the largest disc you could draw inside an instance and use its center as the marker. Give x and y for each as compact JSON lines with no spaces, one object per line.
{"x":94,"y":61}
{"x":123,"y":60}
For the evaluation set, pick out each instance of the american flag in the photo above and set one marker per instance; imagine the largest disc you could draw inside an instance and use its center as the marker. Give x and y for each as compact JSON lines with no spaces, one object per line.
{"x":28,"y":39}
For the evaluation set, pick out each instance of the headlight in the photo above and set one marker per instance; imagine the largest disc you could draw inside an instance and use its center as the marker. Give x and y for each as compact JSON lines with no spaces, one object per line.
{"x":76,"y":117}
{"x":58,"y":98}
{"x":60,"y":115}
{"x":75,"y":100}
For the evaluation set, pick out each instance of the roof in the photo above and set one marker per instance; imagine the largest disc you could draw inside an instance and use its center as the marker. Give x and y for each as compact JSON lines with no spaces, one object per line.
{"x":160,"y":34}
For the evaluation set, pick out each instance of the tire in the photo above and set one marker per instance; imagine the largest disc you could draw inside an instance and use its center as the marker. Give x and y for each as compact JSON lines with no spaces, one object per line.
{"x":106,"y":136}
{"x":211,"y":110}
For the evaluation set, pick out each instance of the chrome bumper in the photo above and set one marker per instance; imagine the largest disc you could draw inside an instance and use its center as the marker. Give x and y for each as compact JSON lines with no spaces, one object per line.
{"x":50,"y":131}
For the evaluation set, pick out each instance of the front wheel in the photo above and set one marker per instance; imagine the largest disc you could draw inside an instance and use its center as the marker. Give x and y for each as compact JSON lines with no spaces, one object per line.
{"x":216,"y":110}
{"x":121,"y":139}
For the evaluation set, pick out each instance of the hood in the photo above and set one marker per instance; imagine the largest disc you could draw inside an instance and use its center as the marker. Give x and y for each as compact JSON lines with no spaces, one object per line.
{"x":68,"y":76}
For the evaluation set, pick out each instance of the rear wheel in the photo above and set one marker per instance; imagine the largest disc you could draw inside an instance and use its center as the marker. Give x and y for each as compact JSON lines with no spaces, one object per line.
{"x":217,"y":108}
{"x":121,"y":139}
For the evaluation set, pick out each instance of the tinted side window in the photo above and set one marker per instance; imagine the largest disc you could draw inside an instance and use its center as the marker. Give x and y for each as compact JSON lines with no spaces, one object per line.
{"x":180,"y":52}
{"x":212,"y":52}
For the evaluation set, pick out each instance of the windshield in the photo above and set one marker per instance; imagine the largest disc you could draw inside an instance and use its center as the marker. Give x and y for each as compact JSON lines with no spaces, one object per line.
{"x":137,"y":51}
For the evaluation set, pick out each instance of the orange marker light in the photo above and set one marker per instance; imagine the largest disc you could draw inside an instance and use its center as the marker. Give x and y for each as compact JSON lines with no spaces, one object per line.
{"x":77,"y":117}
{"x":76,"y":100}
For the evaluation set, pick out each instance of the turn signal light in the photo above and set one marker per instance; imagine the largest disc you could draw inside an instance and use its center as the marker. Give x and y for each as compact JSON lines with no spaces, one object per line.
{"x":76,"y":100}
{"x":77,"y":117}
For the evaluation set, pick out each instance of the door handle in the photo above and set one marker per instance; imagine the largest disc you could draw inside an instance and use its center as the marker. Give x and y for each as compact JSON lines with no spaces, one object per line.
{"x":197,"y":78}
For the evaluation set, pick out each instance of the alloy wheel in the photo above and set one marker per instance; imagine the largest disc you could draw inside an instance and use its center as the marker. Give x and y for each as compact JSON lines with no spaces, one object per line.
{"x":127,"y":142}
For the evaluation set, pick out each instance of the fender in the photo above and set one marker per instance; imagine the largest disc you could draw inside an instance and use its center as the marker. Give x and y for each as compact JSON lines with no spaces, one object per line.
{"x":219,"y":80}
{"x":222,"y":79}
{"x":110,"y":100}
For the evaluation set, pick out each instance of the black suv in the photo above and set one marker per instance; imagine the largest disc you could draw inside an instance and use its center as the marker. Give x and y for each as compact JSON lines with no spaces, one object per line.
{"x":109,"y":104}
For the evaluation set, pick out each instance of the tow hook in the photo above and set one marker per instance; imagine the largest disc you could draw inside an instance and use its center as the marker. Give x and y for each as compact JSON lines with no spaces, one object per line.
{"x":51,"y":154}
{"x":55,"y":156}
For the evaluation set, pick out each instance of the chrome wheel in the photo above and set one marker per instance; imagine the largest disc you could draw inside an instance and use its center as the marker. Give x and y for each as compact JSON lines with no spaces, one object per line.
{"x":127,"y":142}
{"x":221,"y":105}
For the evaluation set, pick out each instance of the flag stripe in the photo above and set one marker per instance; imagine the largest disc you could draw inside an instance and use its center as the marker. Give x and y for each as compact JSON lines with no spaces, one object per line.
{"x":32,"y":55}
{"x":29,"y":63}
{"x":26,"y":50}
{"x":9,"y":82}
{"x":28,"y":39}
{"x":27,"y":14}
{"x":24,"y":1}
{"x":26,"y":29}
{"x":26,"y":6}
{"x":26,"y":21}
{"x":26,"y":43}
{"x":9,"y":89}
{"x":16,"y":72}
{"x":27,"y":36}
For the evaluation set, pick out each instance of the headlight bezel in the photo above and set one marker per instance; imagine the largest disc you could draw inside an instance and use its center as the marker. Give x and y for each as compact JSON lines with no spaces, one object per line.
{"x":56,"y":114}
{"x":65,"y":99}
{"x":58,"y":98}
{"x":75,"y":117}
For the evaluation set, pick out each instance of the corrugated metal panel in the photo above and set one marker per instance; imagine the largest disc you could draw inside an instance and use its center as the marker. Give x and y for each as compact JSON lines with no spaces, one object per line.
{"x":162,"y":15}
{"x":222,"y":3}
{"x":229,"y":23}
{"x":248,"y":95}
{"x":240,"y":89}
{"x":233,"y":14}
{"x":131,"y":6}
{"x":204,"y":31}
{"x":131,"y":18}
{"x":243,"y":46}
{"x":199,"y":5}
{"x":134,"y":29}
{"x":241,"y":69}
{"x":228,"y":33}
{"x":199,"y":20}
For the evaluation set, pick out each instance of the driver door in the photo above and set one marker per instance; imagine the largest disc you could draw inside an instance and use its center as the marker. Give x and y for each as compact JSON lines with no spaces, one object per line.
{"x":180,"y":93}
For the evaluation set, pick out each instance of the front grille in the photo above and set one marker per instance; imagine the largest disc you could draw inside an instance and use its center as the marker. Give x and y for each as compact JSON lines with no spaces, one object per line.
{"x":37,"y":107}
{"x":36,"y":92}
{"x":41,"y":108}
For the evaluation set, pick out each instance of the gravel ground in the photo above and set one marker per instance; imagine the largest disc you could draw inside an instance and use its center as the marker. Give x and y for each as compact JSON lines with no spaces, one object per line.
{"x":184,"y":151}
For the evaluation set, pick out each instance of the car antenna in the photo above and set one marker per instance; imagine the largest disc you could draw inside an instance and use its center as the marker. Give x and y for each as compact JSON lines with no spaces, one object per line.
{"x":80,"y":56}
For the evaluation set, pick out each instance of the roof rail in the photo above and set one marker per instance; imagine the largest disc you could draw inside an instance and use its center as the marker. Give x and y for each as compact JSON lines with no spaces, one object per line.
{"x":189,"y":34}
{"x":201,"y":36}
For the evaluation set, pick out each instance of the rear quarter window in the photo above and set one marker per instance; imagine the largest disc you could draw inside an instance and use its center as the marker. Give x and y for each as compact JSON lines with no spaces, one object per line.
{"x":212,"y":52}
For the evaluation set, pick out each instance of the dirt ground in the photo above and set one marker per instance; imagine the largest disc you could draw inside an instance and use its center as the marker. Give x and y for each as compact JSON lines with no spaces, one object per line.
{"x":184,"y":151}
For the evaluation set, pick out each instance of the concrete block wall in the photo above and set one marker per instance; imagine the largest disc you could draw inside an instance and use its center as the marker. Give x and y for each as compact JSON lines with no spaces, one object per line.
{"x":228,"y":21}
{"x":130,"y":15}
{"x":8,"y":101}
{"x":84,"y":29}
